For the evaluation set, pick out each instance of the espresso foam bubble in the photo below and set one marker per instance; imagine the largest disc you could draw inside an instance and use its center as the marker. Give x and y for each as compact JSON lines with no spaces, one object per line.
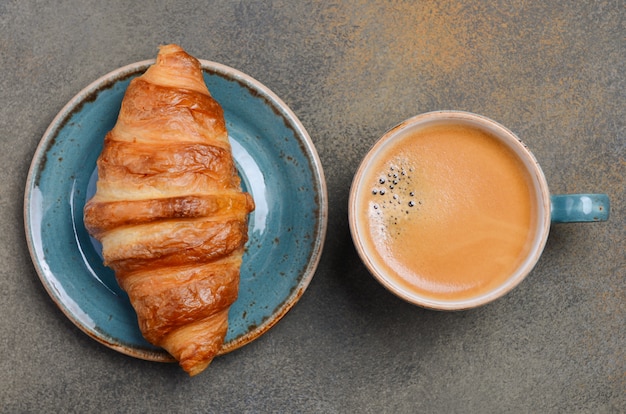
{"x":394,"y":197}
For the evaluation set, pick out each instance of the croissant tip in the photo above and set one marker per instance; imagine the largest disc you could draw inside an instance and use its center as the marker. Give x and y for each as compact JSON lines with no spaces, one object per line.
{"x":196,"y":369}
{"x":170,"y":47}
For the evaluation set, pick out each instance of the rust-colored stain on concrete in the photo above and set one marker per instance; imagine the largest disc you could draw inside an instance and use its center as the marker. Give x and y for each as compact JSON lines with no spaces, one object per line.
{"x":521,"y":63}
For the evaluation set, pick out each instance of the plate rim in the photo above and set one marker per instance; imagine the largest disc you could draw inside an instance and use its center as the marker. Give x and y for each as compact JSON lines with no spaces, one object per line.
{"x":304,"y":141}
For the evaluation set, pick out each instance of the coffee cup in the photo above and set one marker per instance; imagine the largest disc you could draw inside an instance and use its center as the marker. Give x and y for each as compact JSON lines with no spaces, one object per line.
{"x":450,"y":210}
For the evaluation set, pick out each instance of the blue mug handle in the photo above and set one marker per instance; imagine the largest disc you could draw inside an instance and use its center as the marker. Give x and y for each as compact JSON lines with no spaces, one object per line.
{"x":578,"y":208}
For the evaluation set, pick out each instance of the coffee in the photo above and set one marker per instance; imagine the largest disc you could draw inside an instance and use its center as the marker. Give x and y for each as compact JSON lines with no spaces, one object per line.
{"x":447,"y":211}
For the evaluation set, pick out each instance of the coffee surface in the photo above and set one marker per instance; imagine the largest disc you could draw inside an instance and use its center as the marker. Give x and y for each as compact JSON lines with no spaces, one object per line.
{"x":447,"y":211}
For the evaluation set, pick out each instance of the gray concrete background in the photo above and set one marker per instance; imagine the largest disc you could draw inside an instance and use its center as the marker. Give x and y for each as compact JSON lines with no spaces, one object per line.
{"x":553,"y":72}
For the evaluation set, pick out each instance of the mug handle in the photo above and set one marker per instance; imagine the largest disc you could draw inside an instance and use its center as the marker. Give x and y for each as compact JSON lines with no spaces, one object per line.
{"x":578,"y":208}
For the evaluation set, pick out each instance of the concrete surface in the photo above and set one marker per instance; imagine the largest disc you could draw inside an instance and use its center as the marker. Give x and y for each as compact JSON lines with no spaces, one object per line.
{"x":553,"y":72}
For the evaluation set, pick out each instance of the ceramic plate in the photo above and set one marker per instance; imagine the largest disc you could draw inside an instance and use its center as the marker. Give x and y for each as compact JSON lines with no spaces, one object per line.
{"x":278,"y":165}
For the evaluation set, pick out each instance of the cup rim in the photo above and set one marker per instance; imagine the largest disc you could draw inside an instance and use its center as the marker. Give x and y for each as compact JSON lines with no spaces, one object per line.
{"x":542,"y":222}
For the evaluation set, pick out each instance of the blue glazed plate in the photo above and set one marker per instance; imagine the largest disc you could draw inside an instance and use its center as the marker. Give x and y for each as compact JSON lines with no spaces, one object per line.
{"x":278,"y":165}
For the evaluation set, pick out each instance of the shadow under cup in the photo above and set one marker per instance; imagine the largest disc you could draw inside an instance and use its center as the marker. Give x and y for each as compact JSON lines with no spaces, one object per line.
{"x":363,"y":211}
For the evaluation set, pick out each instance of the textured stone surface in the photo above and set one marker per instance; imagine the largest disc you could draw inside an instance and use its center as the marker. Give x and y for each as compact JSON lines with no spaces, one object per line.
{"x":553,"y":72}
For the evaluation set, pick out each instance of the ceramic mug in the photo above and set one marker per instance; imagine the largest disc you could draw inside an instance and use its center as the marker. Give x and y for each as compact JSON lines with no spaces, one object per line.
{"x":449,"y":210}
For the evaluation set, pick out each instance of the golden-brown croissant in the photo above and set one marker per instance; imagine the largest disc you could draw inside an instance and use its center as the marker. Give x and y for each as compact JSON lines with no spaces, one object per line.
{"x":169,"y":210}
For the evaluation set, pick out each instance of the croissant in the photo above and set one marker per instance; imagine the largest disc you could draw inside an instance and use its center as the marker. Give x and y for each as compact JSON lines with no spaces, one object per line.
{"x":169,"y":210}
